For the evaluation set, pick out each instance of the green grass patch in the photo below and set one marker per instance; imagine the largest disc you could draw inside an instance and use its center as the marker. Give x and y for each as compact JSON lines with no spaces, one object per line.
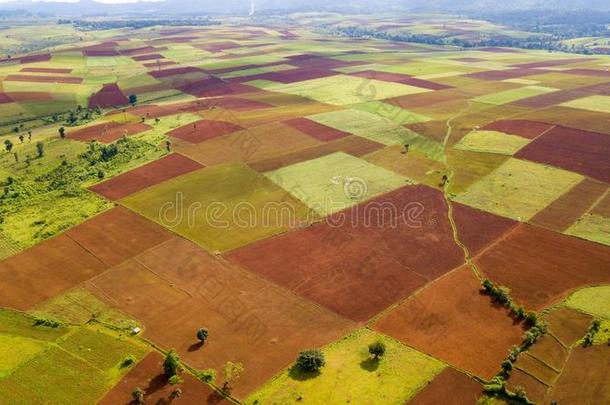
{"x":592,"y":300}
{"x":17,"y":350}
{"x":595,"y":103}
{"x":518,"y":189}
{"x":336,"y":181}
{"x":492,"y":142}
{"x":343,"y":89}
{"x":394,"y":113}
{"x":592,"y":227}
{"x":508,"y":96}
{"x":18,"y":324}
{"x":351,"y":376}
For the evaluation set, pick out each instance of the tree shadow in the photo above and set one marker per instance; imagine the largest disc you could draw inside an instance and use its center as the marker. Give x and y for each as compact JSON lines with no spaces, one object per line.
{"x":156,"y":384}
{"x":195,"y":346}
{"x":370,"y":364}
{"x":299,"y":375}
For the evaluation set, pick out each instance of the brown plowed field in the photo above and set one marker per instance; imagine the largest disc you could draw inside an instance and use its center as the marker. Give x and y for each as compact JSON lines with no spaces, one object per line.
{"x":451,"y":319}
{"x":117,"y":235}
{"x":110,"y":95}
{"x":568,"y":325}
{"x":107,"y":132}
{"x":45,"y":70}
{"x":450,"y":387}
{"x":177,"y":288}
{"x":572,"y":149}
{"x":526,"y":129}
{"x":44,"y":271}
{"x":203,"y":130}
{"x":148,"y":375}
{"x":361,"y":267}
{"x":316,"y":130}
{"x":44,"y":79}
{"x":565,"y":210}
{"x":145,"y":176}
{"x":541,"y":267}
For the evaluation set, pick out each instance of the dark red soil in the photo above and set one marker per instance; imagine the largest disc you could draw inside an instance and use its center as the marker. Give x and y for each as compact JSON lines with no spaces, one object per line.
{"x":139,"y":51}
{"x":320,"y":62}
{"x":107,"y":132}
{"x":503,"y":74}
{"x":526,"y":129}
{"x":568,"y":325}
{"x":44,"y":79}
{"x":145,"y":176}
{"x":110,"y":95}
{"x":550,"y":99}
{"x":151,"y":56}
{"x":117,"y":235}
{"x":451,"y":319}
{"x":450,"y":387}
{"x":293,"y":76}
{"x":219,"y":46}
{"x":48,"y":269}
{"x":372,"y":260}
{"x":174,"y":71}
{"x":43,"y":57}
{"x":541,"y":267}
{"x":572,"y":149}
{"x":45,"y":70}
{"x":203,"y":130}
{"x":587,"y":72}
{"x":316,"y":130}
{"x":399,"y":78}
{"x":159,"y":64}
{"x":148,"y":376}
{"x":26,"y":96}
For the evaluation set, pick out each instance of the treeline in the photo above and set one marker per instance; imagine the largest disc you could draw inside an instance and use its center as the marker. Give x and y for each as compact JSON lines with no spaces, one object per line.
{"x":88,"y":25}
{"x":533,"y":42}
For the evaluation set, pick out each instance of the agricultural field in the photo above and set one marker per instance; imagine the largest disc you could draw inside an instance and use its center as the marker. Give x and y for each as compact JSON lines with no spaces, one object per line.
{"x":281,"y":212}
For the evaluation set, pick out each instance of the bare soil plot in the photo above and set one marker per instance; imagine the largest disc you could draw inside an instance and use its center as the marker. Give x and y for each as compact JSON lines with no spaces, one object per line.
{"x":177,"y":288}
{"x":148,"y":375}
{"x":568,"y":208}
{"x":567,"y":324}
{"x":450,"y":387}
{"x":107,"y":132}
{"x":44,"y":79}
{"x":145,"y":176}
{"x":46,"y":70}
{"x":571,"y":118}
{"x":110,"y":95}
{"x":526,"y":129}
{"x":399,"y":78}
{"x":451,"y":319}
{"x":44,"y":271}
{"x":359,"y":266}
{"x":572,"y":149}
{"x":316,"y":130}
{"x":541,"y":267}
{"x":157,"y":74}
{"x":203,"y":130}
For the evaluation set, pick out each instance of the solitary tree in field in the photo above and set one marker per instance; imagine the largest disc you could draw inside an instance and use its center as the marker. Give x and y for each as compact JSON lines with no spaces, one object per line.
{"x":62,"y":132}
{"x":202,"y":335}
{"x":232,"y":371}
{"x":377,"y":349}
{"x":40,"y":149}
{"x":21,"y":138}
{"x":138,"y":396}
{"x":311,"y":360}
{"x":171,"y":363}
{"x":8,"y":145}
{"x":16,"y":157}
{"x":177,"y":393}
{"x":29,"y":135}
{"x":168,"y":145}
{"x":133,"y":99}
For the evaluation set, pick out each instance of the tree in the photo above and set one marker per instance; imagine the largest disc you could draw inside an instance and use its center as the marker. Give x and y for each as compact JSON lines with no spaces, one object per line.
{"x":171,"y":363}
{"x":168,"y":145}
{"x":133,"y":99}
{"x":377,"y":349}
{"x":40,"y":149}
{"x":232,"y":371}
{"x":8,"y":145}
{"x":16,"y":157}
{"x":29,"y":135}
{"x":138,"y":395}
{"x":311,"y":360}
{"x":21,"y":138}
{"x":177,"y":393}
{"x":62,"y":132}
{"x":202,"y":335}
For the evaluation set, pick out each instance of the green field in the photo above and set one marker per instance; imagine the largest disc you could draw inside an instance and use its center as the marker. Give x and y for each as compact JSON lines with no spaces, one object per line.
{"x":352,"y":376}
{"x":492,"y":142}
{"x":508,"y":96}
{"x":591,"y":103}
{"x":592,"y":300}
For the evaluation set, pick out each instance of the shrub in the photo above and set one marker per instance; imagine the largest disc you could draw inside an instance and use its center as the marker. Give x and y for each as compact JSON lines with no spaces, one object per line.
{"x":311,"y":360}
{"x":138,"y":395}
{"x":128,"y":361}
{"x":377,"y":349}
{"x":202,"y":335}
{"x":207,"y":376}
{"x":175,"y":380}
{"x":171,"y":363}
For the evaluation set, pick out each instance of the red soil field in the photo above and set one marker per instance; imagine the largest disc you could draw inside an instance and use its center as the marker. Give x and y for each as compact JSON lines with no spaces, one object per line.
{"x":44,"y":79}
{"x":107,"y":132}
{"x":174,"y":71}
{"x":4,"y":98}
{"x":451,"y":319}
{"x":110,"y":95}
{"x":151,"y":56}
{"x":477,"y":229}
{"x":550,"y":350}
{"x":148,"y":375}
{"x":541,"y":267}
{"x":48,"y":269}
{"x":101,"y":52}
{"x":587,"y":72}
{"x":450,"y":387}
{"x":45,"y":70}
{"x":569,"y":207}
{"x":399,"y":78}
{"x":292,"y":76}
{"x":26,"y":96}
{"x":316,"y":130}
{"x":503,"y":74}
{"x":203,"y":130}
{"x":117,"y":235}
{"x":219,"y":46}
{"x":213,"y":86}
{"x":139,"y":51}
{"x":360,"y":267}
{"x":354,"y":145}
{"x":498,"y":50}
{"x":158,"y":64}
{"x":584,"y":379}
{"x":43,"y":57}
{"x":603,"y":206}
{"x":320,"y":62}
{"x":568,"y":325}
{"x":571,"y":118}
{"x":535,"y":389}
{"x":177,"y":288}
{"x":536,"y":368}
{"x":550,"y":99}
{"x":145,"y":176}
{"x":526,"y":129}
{"x":572,"y":149}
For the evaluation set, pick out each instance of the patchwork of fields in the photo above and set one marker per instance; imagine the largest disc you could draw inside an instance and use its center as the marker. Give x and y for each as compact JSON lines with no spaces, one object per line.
{"x":288,"y":190}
